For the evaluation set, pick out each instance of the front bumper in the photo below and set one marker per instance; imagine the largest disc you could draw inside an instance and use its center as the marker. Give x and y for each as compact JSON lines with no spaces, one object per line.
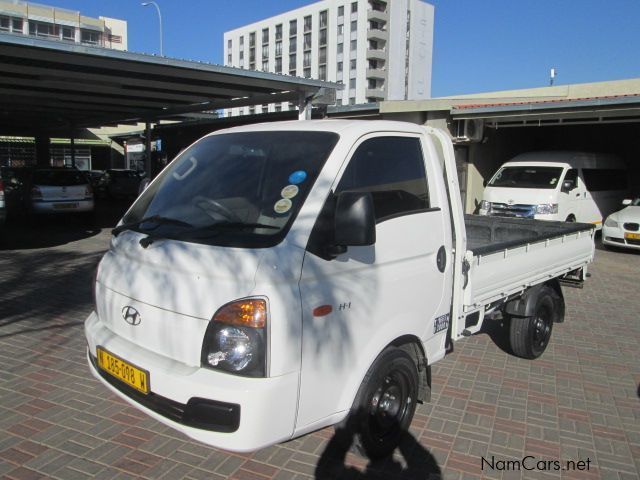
{"x":614,"y":237}
{"x":62,"y":206}
{"x":181,"y":396}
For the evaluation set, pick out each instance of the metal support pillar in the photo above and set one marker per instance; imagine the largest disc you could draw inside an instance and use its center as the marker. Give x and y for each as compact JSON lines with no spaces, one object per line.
{"x":147,"y":137}
{"x":73,"y":151}
{"x":43,"y":157}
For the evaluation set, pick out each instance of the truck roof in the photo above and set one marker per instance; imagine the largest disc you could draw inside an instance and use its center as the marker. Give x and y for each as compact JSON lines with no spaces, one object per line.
{"x":337,"y":126}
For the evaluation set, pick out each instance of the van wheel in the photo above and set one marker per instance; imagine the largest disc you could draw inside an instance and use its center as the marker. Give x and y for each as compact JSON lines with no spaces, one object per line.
{"x":571,"y":218}
{"x":529,"y":336}
{"x":385,"y":404}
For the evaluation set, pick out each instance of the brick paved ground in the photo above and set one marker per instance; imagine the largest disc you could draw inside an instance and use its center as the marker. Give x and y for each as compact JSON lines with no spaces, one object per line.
{"x":580,"y":401}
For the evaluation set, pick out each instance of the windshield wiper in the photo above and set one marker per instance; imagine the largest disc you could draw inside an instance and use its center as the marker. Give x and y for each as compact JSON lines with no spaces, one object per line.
{"x":204,"y":232}
{"x":160,"y":220}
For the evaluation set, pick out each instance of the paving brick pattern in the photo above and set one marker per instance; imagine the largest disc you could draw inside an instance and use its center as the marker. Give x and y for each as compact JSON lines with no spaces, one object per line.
{"x":579,"y":402}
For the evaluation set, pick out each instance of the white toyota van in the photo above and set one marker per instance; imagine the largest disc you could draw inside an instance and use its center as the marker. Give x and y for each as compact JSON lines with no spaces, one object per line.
{"x":556,"y":185}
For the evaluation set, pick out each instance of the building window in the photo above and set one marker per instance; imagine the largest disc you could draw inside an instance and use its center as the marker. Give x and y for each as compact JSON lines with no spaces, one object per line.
{"x":265,"y":65}
{"x":352,"y":100}
{"x":241,"y":41}
{"x":252,"y":54}
{"x":293,"y":72}
{"x":322,"y":72}
{"x":293,"y":28}
{"x":372,"y":83}
{"x":265,"y":51}
{"x":307,"y":72}
{"x":229,"y":44}
{"x":352,"y":83}
{"x":241,"y":56}
{"x":4,"y":24}
{"x":373,"y":45}
{"x":306,"y":59}
{"x":354,"y":45}
{"x":354,"y":7}
{"x":307,"y":23}
{"x":90,"y":37}
{"x":323,"y":36}
{"x":293,"y":45}
{"x":46,"y":30}
{"x":341,"y":11}
{"x":68,"y":33}
{"x":279,"y":65}
{"x":279,"y":31}
{"x":340,"y":48}
{"x":293,"y":59}
{"x":278,"y":48}
{"x":323,"y":19}
{"x":307,"y":41}
{"x":265,"y":35}
{"x":322,"y":55}
{"x":341,"y":29}
{"x":278,"y":107}
{"x":354,"y":26}
{"x":352,"y":64}
{"x":252,"y":39}
{"x":17,"y":25}
{"x":339,"y":67}
{"x":229,"y":58}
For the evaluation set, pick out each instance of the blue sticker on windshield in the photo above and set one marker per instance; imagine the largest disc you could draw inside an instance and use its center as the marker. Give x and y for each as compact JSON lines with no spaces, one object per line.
{"x":297,"y":177}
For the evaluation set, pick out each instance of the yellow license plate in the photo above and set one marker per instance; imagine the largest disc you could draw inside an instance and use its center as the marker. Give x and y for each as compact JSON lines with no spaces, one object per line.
{"x":123,"y":370}
{"x":632,"y":236}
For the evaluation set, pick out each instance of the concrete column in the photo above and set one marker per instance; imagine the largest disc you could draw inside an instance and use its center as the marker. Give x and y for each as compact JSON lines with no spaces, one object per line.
{"x":43,"y":156}
{"x":147,"y":136}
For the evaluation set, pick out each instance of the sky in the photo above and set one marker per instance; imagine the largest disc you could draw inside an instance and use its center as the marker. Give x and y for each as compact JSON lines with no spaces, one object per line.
{"x":479,"y":45}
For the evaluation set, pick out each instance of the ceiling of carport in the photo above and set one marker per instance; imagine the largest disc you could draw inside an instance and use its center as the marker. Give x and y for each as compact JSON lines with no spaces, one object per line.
{"x":54,"y":87}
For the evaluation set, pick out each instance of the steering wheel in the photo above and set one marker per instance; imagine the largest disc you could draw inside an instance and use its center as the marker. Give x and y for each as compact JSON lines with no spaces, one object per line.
{"x":215,"y":209}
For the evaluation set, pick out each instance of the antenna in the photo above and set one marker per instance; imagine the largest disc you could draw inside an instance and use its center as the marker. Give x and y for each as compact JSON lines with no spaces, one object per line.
{"x":552,"y":76}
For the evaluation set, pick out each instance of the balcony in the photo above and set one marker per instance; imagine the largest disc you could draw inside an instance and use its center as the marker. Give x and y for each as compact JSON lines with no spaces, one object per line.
{"x":377,"y":34}
{"x":376,"y":54}
{"x":377,"y":15}
{"x":377,"y":73}
{"x":377,"y":93}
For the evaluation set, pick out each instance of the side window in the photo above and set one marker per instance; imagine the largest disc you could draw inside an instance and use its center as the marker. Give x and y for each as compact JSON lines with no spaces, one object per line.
{"x":572,"y":175}
{"x":392,"y":169}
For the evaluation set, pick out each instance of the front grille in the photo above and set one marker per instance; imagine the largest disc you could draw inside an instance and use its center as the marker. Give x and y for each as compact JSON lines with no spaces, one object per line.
{"x":198,"y":412}
{"x":614,"y":239}
{"x":632,"y":227}
{"x":506,"y":210}
{"x":633,"y":242}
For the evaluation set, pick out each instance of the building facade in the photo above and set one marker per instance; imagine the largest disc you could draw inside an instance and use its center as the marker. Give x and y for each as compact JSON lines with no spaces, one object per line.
{"x":52,"y":23}
{"x":380,"y":50}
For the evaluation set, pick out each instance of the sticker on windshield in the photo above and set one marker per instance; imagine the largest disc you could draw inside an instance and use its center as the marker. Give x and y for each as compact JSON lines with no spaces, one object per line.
{"x":297,"y":177}
{"x":289,"y":191}
{"x":182,"y":176}
{"x":283,"y":205}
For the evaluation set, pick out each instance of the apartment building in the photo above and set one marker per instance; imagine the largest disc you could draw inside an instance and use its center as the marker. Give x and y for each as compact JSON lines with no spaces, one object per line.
{"x":380,"y":50}
{"x":52,"y":23}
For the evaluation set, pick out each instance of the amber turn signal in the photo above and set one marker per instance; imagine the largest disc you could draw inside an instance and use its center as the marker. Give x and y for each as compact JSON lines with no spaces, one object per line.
{"x":251,"y":312}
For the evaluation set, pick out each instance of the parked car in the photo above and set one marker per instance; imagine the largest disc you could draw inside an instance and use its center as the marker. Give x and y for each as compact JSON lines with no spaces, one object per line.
{"x":57,"y":190}
{"x":276,"y":279}
{"x":622,"y":228}
{"x":16,"y":182}
{"x":570,"y":186}
{"x":120,"y":183}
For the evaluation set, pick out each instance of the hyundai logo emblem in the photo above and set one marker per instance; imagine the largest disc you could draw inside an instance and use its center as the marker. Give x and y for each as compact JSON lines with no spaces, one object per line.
{"x":131,"y":316}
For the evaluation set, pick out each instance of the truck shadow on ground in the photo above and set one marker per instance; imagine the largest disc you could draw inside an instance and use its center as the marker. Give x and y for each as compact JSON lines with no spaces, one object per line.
{"x":498,"y":331}
{"x":416,"y":462}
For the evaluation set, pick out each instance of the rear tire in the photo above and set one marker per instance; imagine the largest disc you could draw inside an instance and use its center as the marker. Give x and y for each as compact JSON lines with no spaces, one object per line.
{"x":529,"y":336}
{"x":571,"y":218}
{"x":385,"y":404}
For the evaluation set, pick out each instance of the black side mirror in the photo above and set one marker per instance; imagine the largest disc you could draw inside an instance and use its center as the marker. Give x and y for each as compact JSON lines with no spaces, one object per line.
{"x":485,"y":183}
{"x":567,"y":186}
{"x":355,"y":221}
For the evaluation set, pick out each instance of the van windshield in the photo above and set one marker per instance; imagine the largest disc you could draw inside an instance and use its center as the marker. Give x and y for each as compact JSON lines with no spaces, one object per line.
{"x":236,"y":189}
{"x":527,"y":177}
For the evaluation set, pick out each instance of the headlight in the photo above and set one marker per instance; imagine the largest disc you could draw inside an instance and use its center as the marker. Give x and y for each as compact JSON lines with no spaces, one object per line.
{"x":547,"y":208}
{"x":485,"y":207}
{"x":610,"y":222}
{"x":235,"y":340}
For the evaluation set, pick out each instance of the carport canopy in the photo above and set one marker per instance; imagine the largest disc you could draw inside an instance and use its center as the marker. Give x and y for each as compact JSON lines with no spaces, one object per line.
{"x":53,"y":88}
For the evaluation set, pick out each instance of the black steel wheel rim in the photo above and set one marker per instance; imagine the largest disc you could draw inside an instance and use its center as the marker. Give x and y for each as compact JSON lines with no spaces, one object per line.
{"x":389,"y":405}
{"x":542,"y":327}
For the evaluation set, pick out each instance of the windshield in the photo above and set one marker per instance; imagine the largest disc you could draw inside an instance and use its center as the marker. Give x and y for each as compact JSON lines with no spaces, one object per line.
{"x":59,"y":178}
{"x":255,"y":182}
{"x":636,"y":202}
{"x":527,"y":177}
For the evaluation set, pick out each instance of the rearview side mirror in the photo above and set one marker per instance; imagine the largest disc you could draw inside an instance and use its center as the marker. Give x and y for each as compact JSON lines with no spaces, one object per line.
{"x":626,"y":202}
{"x":355,"y":221}
{"x":567,"y":186}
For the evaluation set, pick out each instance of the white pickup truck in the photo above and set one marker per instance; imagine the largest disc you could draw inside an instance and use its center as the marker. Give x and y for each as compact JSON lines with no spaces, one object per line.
{"x":275,"y":279}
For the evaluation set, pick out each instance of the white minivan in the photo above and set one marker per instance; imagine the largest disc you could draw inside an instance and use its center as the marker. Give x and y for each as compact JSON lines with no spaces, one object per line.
{"x":557,"y":185}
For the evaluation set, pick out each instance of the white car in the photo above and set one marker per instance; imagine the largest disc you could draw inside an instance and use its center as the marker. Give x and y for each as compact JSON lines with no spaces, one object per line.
{"x":622,"y":228}
{"x":59,"y":190}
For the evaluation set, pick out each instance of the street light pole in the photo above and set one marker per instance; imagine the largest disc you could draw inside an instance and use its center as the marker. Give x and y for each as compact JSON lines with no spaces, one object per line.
{"x":146,"y":4}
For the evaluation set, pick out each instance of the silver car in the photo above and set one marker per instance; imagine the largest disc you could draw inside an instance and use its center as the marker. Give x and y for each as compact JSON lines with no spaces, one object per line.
{"x":59,"y":190}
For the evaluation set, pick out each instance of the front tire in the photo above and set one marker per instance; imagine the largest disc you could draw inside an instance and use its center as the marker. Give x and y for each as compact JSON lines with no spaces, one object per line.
{"x":385,"y":404}
{"x":529,"y":336}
